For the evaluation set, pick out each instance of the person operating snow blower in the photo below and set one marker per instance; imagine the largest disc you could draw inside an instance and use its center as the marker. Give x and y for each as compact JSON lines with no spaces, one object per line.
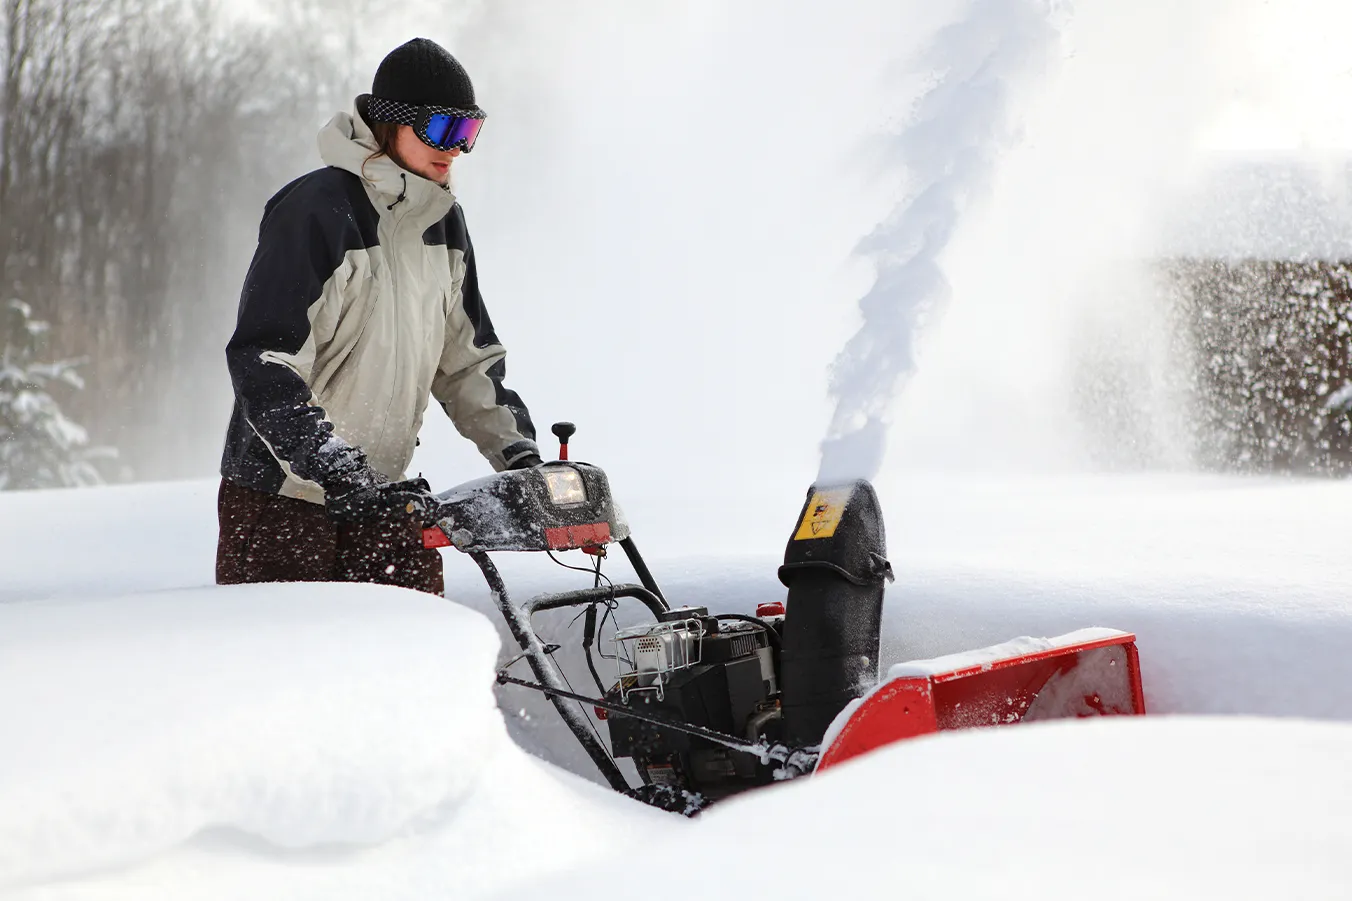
{"x":362,"y":299}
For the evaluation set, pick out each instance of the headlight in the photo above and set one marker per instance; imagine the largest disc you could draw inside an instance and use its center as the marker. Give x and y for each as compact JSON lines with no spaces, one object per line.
{"x":565,"y":486}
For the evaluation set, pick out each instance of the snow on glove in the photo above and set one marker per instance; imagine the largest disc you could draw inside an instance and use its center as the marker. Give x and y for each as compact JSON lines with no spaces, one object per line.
{"x":412,"y":497}
{"x":342,"y":468}
{"x":355,"y":492}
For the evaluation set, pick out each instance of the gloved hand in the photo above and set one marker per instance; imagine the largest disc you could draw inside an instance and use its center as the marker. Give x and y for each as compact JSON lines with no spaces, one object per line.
{"x":526,"y":462}
{"x":354,"y":491}
{"x":411,"y":497}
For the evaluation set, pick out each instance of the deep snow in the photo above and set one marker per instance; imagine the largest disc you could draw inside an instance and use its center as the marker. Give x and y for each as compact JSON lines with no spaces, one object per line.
{"x":168,"y":738}
{"x":210,"y":742}
{"x":161,"y":738}
{"x":268,"y":708}
{"x":1110,"y":809}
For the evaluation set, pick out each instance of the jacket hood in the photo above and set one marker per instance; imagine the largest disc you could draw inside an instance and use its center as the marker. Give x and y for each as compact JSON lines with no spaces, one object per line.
{"x":347,"y":142}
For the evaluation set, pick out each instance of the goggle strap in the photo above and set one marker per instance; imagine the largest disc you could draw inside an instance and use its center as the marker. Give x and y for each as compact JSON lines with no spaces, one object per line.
{"x":382,"y":110}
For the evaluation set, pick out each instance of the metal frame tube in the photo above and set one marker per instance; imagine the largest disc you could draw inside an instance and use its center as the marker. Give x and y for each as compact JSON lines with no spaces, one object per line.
{"x":803,"y":759}
{"x":596,"y":595}
{"x":641,"y":568}
{"x":518,"y":621}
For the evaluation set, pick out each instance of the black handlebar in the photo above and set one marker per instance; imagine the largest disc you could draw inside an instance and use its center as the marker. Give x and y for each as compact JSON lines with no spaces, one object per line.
{"x":596,"y":595}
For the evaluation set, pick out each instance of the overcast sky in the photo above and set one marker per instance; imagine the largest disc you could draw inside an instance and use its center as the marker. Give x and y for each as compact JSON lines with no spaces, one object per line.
{"x":1291,"y":72}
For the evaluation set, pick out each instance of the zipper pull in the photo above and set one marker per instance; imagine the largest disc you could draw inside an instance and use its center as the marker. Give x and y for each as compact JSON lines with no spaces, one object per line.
{"x":403,"y":192}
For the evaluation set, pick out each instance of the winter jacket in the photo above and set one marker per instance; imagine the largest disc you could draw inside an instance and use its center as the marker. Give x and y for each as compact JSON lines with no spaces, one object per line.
{"x":362,"y":299}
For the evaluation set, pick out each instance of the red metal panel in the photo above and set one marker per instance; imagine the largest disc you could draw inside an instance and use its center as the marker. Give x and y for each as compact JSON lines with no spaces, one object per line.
{"x":903,"y":708}
{"x":566,"y":538}
{"x":1093,"y":678}
{"x":1134,"y":668}
{"x":435,"y":537}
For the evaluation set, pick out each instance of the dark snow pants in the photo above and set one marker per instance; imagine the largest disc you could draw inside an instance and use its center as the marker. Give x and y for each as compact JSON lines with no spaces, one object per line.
{"x":269,"y":538}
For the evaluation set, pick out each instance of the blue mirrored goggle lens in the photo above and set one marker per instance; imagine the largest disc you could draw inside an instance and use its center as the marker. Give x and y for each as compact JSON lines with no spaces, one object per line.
{"x":446,"y":131}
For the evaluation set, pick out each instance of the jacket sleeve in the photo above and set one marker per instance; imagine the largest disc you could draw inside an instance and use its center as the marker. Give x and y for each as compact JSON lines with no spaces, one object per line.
{"x":468,"y":383}
{"x":282,"y":315}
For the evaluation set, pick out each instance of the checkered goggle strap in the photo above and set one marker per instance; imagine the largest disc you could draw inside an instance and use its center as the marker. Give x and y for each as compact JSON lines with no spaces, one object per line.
{"x":442,"y":127}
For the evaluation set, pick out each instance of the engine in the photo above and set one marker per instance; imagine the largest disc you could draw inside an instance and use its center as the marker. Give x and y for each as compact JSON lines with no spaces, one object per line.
{"x":774,"y":677}
{"x":719,"y":673}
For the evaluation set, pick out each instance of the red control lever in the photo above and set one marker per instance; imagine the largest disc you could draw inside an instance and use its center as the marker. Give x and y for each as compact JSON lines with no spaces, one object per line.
{"x":563,"y":431}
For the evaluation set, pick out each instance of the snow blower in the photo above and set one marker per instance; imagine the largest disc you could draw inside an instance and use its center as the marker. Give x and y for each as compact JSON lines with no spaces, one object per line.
{"x":709,"y":704}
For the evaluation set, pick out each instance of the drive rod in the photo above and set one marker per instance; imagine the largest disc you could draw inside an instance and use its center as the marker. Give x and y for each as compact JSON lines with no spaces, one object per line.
{"x":796,"y":760}
{"x":518,"y":621}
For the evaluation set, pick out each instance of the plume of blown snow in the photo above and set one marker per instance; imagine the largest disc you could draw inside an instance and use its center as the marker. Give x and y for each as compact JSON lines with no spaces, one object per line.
{"x":949,"y":147}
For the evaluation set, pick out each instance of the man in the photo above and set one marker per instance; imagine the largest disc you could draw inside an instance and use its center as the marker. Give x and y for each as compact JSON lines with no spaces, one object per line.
{"x":362,"y":299}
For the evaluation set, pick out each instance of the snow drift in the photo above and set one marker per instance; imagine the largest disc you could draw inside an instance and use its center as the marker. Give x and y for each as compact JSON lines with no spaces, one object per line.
{"x":298,"y":741}
{"x":296,"y":716}
{"x":1109,"y":808}
{"x":169,"y":739}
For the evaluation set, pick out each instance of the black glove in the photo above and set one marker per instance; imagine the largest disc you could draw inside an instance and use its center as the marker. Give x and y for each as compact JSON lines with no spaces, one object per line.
{"x":385,"y":500}
{"x":355,"y":492}
{"x":526,"y":462}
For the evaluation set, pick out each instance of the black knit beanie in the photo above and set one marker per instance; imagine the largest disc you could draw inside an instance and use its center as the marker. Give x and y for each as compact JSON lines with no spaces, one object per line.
{"x":422,"y":73}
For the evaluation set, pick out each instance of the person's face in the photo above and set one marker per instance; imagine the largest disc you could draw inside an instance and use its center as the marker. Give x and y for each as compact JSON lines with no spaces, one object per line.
{"x":429,"y":162}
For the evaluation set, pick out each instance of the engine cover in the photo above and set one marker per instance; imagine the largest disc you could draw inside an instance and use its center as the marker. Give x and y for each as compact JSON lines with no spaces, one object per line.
{"x":731,"y":687}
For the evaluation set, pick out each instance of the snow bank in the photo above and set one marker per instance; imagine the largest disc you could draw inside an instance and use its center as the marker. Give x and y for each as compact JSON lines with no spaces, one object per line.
{"x":335,"y":742}
{"x":297,"y":715}
{"x":1235,"y":587}
{"x":109,"y":540}
{"x":1129,"y":808}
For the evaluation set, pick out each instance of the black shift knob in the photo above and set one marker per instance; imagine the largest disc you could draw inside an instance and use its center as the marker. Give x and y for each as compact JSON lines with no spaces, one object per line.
{"x":563,"y":431}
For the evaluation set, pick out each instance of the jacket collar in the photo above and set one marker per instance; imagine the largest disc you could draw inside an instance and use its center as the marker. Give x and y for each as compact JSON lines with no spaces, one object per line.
{"x":346,"y":142}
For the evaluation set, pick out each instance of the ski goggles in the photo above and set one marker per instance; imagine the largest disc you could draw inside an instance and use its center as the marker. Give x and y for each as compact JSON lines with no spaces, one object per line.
{"x":441,"y":127}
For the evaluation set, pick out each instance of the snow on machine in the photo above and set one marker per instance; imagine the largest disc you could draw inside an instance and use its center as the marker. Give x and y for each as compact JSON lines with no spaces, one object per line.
{"x":708,"y":704}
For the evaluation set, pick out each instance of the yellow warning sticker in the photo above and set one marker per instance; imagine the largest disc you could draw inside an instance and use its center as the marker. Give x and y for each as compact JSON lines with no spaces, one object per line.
{"x":823,"y":514}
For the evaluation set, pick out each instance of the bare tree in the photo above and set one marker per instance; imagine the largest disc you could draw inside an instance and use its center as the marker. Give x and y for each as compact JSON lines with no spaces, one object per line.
{"x":138,"y":142}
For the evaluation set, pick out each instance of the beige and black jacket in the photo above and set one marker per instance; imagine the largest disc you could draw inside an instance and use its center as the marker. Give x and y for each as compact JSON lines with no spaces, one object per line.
{"x":361,"y":301}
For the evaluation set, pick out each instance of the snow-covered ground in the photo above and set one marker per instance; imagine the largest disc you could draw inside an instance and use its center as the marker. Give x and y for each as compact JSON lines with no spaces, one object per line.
{"x":166,"y":738}
{"x":1183,"y":808}
{"x":254,"y":741}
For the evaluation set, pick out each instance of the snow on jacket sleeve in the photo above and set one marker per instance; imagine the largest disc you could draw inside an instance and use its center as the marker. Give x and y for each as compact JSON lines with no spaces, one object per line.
{"x":302,"y":243}
{"x":468,"y":383}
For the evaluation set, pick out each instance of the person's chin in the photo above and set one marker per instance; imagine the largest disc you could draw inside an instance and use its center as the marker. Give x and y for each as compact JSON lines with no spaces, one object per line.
{"x":439,"y":174}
